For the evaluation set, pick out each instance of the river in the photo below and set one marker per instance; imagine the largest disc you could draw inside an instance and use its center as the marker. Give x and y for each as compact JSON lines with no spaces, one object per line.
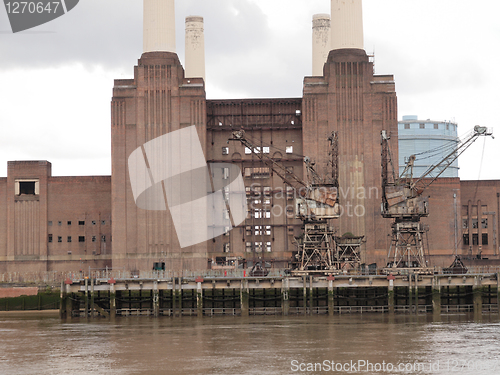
{"x":347,"y":344}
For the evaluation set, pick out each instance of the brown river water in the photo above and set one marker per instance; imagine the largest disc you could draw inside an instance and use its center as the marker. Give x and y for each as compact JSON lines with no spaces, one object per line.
{"x":347,"y":344}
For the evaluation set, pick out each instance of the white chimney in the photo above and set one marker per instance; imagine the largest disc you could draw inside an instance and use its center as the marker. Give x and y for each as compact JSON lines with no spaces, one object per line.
{"x":195,"y":48}
{"x":159,"y":26}
{"x":320,"y":42}
{"x":347,"y":24}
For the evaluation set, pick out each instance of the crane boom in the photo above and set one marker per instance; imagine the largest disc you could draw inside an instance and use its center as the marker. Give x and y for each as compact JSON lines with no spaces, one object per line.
{"x":451,"y":157}
{"x":402,"y":200}
{"x":318,"y":200}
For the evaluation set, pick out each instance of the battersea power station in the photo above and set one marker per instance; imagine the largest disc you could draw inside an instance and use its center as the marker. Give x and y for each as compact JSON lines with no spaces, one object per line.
{"x":342,"y":133}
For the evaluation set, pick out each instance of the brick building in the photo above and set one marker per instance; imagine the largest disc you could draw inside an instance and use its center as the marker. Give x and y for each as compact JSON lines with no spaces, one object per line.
{"x":81,"y":223}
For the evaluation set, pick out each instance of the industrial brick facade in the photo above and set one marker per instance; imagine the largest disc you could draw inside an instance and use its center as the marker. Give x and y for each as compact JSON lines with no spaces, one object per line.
{"x":84,"y":223}
{"x":53,"y":223}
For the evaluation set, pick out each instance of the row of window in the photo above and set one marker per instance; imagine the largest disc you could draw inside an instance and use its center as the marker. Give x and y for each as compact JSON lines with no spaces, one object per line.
{"x":267,"y":190}
{"x":258,"y":230}
{"x":423,"y":126}
{"x":80,"y":222}
{"x":475,"y":223}
{"x":475,"y":239}
{"x":80,"y":238}
{"x":258,"y":201}
{"x":258,"y":247}
{"x":257,"y":150}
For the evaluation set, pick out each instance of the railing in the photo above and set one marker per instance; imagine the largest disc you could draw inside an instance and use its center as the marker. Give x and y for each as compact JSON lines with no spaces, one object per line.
{"x":360,"y":309}
{"x":55,"y":277}
{"x":265,"y":311}
{"x":457,"y":308}
{"x":221,"y":311}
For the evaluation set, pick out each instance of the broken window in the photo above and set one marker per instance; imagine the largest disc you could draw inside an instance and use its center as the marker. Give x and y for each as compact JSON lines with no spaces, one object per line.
{"x":268,"y":246}
{"x":474,"y":223}
{"x":484,"y":223}
{"x":258,"y":247}
{"x":225,"y":150}
{"x":50,"y":238}
{"x":265,"y":150}
{"x":27,"y":187}
{"x":465,"y":223}
{"x":103,"y":238}
{"x":59,"y":239}
{"x":226,"y":248}
{"x":69,"y":238}
{"x":94,"y":239}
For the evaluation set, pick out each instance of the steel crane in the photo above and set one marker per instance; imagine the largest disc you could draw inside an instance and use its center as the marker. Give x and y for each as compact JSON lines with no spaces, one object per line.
{"x":404,"y":202}
{"x":316,"y":201}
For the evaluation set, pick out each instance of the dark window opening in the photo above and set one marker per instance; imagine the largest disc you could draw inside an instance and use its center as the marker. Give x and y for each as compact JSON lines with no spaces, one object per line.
{"x":27,"y":187}
{"x":59,"y":223}
{"x":484,"y":238}
{"x":69,"y":222}
{"x":103,"y":238}
{"x":475,"y":239}
{"x":81,"y":238}
{"x":59,"y":239}
{"x":50,"y":238}
{"x":81,"y":222}
{"x":94,"y":238}
{"x":69,"y":238}
{"x":466,"y":239}
{"x":93,"y":222}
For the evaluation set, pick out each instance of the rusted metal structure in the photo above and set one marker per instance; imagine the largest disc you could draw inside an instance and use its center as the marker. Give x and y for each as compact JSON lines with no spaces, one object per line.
{"x":316,"y":202}
{"x":402,"y":200}
{"x":347,"y":255}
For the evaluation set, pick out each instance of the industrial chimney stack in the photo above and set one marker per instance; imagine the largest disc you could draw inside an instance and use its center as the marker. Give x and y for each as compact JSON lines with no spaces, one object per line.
{"x":195,"y":48}
{"x":347,"y":24}
{"x":159,"y":26}
{"x":320,"y":42}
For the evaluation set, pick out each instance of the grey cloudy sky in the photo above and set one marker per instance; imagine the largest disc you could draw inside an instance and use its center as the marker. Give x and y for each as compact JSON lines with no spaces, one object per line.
{"x":56,"y":80}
